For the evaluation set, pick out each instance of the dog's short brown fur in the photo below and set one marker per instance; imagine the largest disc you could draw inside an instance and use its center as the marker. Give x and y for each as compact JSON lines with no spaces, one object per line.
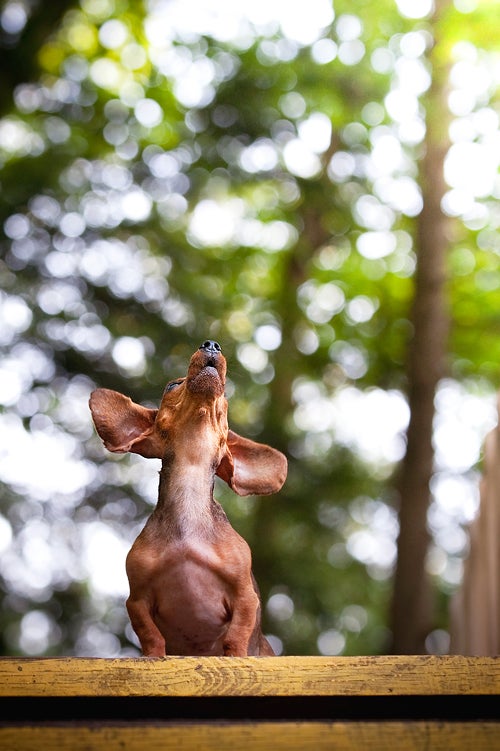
{"x":192,"y":591}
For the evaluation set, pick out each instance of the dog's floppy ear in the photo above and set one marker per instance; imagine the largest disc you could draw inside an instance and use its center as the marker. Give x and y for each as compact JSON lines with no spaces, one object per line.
{"x":251,"y":468}
{"x":124,"y":425}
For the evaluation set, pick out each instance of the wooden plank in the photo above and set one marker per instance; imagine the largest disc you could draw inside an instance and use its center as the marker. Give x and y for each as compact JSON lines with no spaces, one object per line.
{"x":288,"y":736}
{"x":250,"y":676}
{"x":475,"y":607}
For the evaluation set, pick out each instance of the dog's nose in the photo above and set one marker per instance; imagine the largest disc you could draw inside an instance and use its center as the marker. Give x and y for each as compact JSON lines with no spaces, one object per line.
{"x":210,"y":346}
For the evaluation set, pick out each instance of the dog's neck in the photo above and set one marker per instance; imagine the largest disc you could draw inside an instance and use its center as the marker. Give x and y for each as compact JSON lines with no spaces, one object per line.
{"x":186,"y":506}
{"x":194,"y":447}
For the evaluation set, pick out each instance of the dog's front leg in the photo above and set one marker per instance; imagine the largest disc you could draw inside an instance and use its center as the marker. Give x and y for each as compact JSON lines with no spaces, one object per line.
{"x":242,"y":626}
{"x":149,"y":635}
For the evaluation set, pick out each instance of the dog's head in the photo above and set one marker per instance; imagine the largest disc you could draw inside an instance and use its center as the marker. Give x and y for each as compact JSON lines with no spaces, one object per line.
{"x":190,"y":425}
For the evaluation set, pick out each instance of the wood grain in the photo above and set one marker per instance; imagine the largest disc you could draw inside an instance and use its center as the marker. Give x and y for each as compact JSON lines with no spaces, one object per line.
{"x":251,"y":676}
{"x":288,"y":736}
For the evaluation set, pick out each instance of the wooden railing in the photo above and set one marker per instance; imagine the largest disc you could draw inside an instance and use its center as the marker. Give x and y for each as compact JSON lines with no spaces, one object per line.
{"x":275,"y":704}
{"x":475,"y":608}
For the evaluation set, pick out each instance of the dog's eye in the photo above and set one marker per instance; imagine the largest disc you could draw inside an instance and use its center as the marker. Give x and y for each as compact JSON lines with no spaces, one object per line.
{"x":172,"y":385}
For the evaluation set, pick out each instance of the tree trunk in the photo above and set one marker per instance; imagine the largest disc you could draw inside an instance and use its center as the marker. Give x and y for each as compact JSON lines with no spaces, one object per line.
{"x":412,"y":602}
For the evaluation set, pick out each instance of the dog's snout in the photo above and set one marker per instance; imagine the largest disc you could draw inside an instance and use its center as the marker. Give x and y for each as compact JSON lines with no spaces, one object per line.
{"x":210,"y":346}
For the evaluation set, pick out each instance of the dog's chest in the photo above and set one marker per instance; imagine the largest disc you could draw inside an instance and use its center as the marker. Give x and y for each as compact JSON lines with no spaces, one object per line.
{"x":192,"y":607}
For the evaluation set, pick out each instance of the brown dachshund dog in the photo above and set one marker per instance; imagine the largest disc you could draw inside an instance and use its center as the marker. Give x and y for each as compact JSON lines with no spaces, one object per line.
{"x":192,"y":590}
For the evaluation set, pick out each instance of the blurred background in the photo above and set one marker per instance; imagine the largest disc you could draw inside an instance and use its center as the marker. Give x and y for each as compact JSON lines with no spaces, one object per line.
{"x":313,"y":185}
